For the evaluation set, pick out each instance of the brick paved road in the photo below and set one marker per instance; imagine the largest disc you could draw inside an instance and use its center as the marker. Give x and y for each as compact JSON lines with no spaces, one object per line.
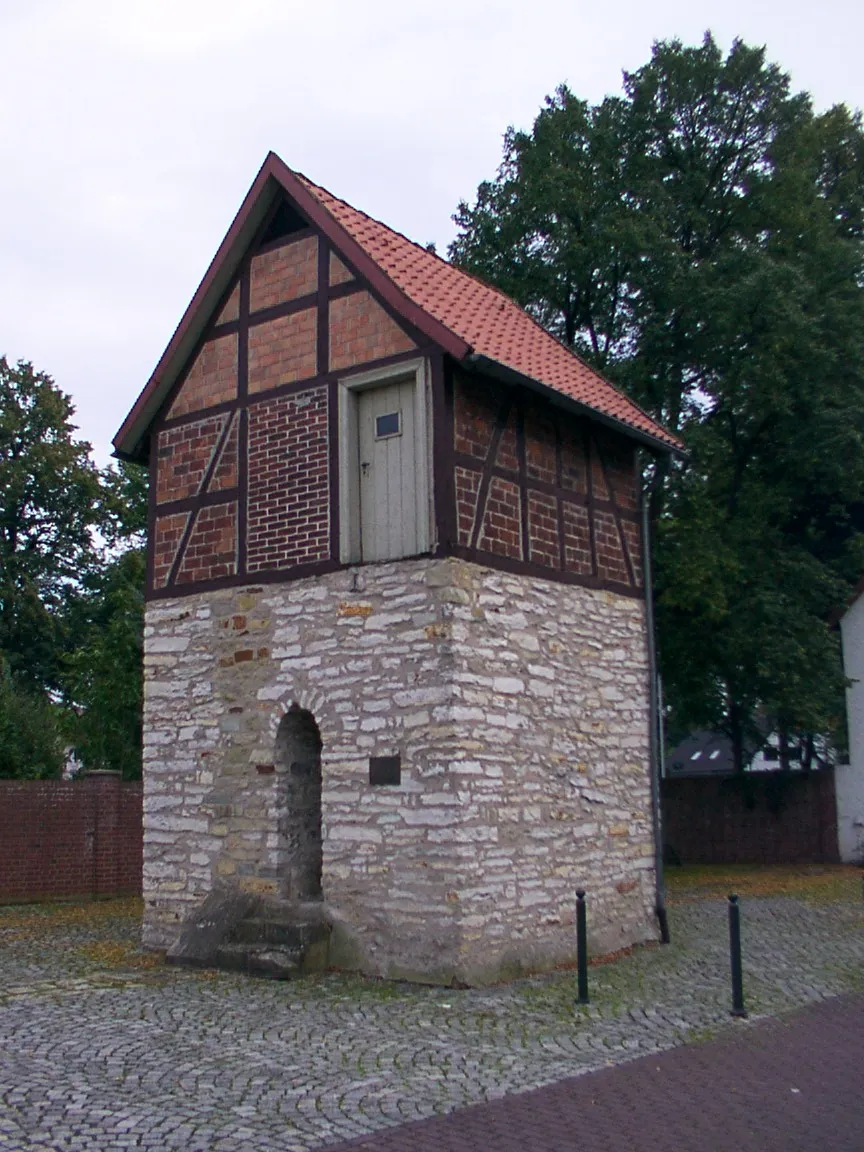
{"x":99,"y":1051}
{"x":791,"y":1085}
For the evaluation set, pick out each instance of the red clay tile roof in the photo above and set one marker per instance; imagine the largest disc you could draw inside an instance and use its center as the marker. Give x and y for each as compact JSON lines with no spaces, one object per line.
{"x":490,"y":322}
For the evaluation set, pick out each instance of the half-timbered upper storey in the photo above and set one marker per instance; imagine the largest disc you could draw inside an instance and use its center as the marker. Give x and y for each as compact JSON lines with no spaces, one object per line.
{"x":335,"y":395}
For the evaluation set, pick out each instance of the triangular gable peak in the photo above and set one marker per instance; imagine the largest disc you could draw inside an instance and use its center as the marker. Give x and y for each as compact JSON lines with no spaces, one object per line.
{"x":468,"y":320}
{"x":294,"y":311}
{"x":275,"y":238}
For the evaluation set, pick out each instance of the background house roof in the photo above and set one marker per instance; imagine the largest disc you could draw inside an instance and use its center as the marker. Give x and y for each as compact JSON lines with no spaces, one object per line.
{"x":702,"y":753}
{"x":473,"y":322}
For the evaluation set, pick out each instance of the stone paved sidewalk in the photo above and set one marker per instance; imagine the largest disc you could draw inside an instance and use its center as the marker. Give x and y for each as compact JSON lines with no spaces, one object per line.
{"x":99,"y":1049}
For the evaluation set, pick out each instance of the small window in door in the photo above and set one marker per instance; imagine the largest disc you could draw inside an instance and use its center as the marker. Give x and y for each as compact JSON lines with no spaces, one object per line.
{"x":390,"y":424}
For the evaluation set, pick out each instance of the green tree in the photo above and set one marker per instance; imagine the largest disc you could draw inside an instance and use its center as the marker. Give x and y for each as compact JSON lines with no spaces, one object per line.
{"x":699,"y":240}
{"x":71,"y":588}
{"x":103,"y":674}
{"x":31,"y":746}
{"x":49,"y":494}
{"x":123,"y":505}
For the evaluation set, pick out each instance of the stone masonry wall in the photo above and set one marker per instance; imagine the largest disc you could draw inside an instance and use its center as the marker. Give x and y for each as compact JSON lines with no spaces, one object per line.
{"x":518,"y":707}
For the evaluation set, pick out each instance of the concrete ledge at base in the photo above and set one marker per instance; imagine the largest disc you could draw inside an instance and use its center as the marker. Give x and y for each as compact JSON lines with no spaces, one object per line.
{"x":240,"y":932}
{"x":485,"y":965}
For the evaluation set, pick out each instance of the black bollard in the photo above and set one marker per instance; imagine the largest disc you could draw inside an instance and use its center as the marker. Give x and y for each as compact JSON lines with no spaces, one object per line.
{"x":738,"y":1008}
{"x":582,"y":946}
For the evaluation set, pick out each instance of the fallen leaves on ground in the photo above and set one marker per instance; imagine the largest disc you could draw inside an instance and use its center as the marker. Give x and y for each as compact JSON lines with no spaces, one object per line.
{"x":29,"y":921}
{"x":822,"y":883}
{"x":111,"y":954}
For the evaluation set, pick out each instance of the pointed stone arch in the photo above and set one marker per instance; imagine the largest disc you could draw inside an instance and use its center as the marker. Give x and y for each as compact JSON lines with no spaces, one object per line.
{"x":298,"y":762}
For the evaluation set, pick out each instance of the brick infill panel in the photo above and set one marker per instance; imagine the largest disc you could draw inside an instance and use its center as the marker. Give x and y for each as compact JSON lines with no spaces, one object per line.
{"x":288,"y":519}
{"x":283,"y":350}
{"x":361,"y":330}
{"x":183,"y":455}
{"x":211,"y":552}
{"x":167,"y":535}
{"x":501,"y":533}
{"x":211,"y":380}
{"x":283,"y":274}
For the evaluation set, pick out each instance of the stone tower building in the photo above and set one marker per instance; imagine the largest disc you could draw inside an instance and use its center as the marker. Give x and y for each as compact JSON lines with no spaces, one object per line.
{"x":395,"y":638}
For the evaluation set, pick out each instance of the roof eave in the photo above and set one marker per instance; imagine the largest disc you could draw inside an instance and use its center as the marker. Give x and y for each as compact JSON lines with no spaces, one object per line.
{"x":510,"y":375}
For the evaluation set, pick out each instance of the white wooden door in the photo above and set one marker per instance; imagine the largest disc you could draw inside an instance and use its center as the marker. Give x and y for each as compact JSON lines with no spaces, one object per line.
{"x":388,"y":472}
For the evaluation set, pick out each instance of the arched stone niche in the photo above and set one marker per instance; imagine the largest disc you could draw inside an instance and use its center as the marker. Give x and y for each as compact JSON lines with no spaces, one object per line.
{"x":298,"y":764}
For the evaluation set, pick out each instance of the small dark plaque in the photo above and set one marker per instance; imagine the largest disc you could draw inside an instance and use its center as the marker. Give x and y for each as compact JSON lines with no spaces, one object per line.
{"x":385,"y":770}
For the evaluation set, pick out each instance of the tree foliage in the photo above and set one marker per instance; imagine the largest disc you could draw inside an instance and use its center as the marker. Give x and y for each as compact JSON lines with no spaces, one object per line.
{"x":102,"y":676}
{"x":71,"y":589}
{"x":699,"y":240}
{"x":50,"y":492}
{"x":31,"y":745}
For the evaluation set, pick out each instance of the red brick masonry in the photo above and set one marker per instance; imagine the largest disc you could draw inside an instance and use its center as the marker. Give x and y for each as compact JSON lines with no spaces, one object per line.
{"x":212,"y":548}
{"x":764,"y":818}
{"x":289,"y":484}
{"x":183,"y":455}
{"x":555,"y":465}
{"x":65,"y":838}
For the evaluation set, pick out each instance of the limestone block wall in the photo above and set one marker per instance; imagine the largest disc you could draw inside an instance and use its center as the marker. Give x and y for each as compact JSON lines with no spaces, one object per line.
{"x":518,"y":707}
{"x":550,"y":694}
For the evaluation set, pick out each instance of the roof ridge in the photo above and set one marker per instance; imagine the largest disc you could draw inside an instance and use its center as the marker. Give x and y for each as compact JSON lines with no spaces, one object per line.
{"x":508,"y":300}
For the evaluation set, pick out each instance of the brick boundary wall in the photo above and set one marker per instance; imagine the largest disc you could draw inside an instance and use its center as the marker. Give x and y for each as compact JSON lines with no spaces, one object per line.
{"x":70,"y":838}
{"x":764,"y":818}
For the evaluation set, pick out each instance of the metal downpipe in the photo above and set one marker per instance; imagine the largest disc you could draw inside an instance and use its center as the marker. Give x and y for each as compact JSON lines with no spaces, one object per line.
{"x":654,"y":714}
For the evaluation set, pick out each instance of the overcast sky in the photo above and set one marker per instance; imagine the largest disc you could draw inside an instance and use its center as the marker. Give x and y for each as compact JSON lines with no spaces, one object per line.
{"x":130,"y":132}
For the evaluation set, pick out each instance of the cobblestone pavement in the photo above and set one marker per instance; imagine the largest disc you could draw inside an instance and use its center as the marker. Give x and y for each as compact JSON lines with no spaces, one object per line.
{"x":102,"y":1049}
